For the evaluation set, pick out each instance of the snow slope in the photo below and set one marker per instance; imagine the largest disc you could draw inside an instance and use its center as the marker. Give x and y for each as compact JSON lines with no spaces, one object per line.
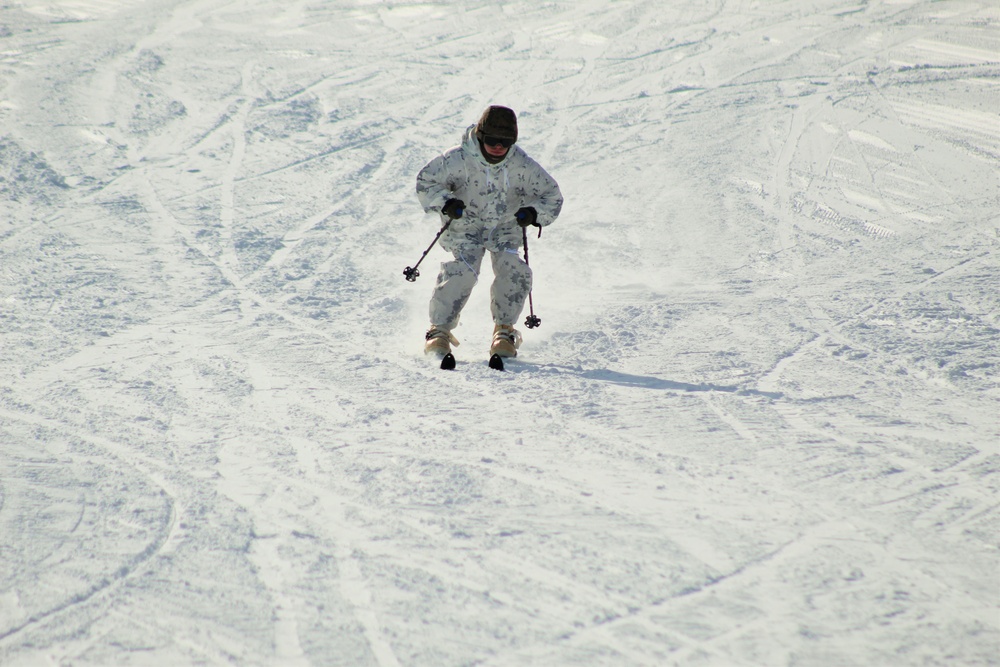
{"x":758,"y":424}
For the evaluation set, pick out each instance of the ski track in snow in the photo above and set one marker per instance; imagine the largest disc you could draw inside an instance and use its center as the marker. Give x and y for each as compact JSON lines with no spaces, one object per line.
{"x":757,"y":427}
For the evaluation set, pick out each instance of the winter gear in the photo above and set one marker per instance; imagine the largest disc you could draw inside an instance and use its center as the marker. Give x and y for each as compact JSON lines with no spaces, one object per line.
{"x":506,"y":340}
{"x":496,"y":362}
{"x":454,"y":208}
{"x":496,"y":127}
{"x":526,"y":217}
{"x":491,"y":159}
{"x":511,"y":284}
{"x":492,"y":193}
{"x":439,"y":341}
{"x":498,"y":141}
{"x":499,"y":122}
{"x":492,"y":189}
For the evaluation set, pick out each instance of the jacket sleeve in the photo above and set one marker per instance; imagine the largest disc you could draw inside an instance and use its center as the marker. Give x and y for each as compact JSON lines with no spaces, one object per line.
{"x":543,"y":194}
{"x":434,"y":184}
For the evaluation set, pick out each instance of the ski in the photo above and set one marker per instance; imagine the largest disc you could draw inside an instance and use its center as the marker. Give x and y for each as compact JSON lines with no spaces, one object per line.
{"x":448,"y":362}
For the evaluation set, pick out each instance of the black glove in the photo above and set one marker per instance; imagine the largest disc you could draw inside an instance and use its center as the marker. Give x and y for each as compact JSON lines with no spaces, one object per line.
{"x":527,"y":216}
{"x":454,"y":208}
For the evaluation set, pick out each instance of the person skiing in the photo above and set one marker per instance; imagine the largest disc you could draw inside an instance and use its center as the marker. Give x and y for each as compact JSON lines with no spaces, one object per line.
{"x":486,"y":190}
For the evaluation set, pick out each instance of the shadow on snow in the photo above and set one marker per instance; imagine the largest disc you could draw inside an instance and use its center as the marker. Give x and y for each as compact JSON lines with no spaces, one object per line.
{"x":640,"y":381}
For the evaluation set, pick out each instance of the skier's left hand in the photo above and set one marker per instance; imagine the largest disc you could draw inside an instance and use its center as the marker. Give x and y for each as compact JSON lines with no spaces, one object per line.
{"x":526,"y":217}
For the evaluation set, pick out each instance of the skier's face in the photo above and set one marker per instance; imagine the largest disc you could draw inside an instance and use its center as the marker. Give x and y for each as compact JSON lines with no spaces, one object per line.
{"x":496,"y":150}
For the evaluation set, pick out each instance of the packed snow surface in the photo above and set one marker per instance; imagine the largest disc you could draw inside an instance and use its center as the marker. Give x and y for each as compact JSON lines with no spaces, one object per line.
{"x":758,"y":425}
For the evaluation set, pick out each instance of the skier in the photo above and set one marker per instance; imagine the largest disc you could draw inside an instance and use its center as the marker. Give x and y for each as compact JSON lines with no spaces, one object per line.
{"x":486,"y":190}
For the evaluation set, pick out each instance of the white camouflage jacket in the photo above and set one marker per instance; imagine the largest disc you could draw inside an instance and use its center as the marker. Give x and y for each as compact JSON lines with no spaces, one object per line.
{"x":492,"y":193}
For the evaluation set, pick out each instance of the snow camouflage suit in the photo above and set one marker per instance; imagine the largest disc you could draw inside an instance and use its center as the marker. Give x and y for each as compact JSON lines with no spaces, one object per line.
{"x":492,"y":193}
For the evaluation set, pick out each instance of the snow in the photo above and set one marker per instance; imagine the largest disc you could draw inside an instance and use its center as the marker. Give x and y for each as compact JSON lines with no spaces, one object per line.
{"x":758,"y":424}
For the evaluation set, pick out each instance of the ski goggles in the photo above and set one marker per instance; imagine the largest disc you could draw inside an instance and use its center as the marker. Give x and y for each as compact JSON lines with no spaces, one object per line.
{"x":497,"y":141}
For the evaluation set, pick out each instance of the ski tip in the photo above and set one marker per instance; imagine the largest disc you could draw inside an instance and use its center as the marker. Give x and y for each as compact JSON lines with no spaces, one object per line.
{"x":496,"y":362}
{"x":448,"y":362}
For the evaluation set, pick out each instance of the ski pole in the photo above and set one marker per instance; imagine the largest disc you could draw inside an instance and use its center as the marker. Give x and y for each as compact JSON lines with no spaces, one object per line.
{"x":532,"y":320}
{"x":411,"y":272}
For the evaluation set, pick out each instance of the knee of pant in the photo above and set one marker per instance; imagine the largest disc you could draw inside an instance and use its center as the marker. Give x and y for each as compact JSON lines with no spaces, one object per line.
{"x":523,"y":272}
{"x":450,"y":269}
{"x":458,"y":269}
{"x":518,"y":274}
{"x":512,"y":263}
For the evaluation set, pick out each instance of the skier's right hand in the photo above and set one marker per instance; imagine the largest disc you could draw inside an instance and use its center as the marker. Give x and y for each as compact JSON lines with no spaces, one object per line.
{"x":454,"y":208}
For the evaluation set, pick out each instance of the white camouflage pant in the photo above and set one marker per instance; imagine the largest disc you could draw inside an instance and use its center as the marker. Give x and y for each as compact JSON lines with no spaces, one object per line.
{"x":511,"y":284}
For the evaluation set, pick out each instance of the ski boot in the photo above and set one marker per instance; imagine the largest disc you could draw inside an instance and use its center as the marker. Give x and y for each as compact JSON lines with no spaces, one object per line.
{"x":439,"y":341}
{"x":506,"y":340}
